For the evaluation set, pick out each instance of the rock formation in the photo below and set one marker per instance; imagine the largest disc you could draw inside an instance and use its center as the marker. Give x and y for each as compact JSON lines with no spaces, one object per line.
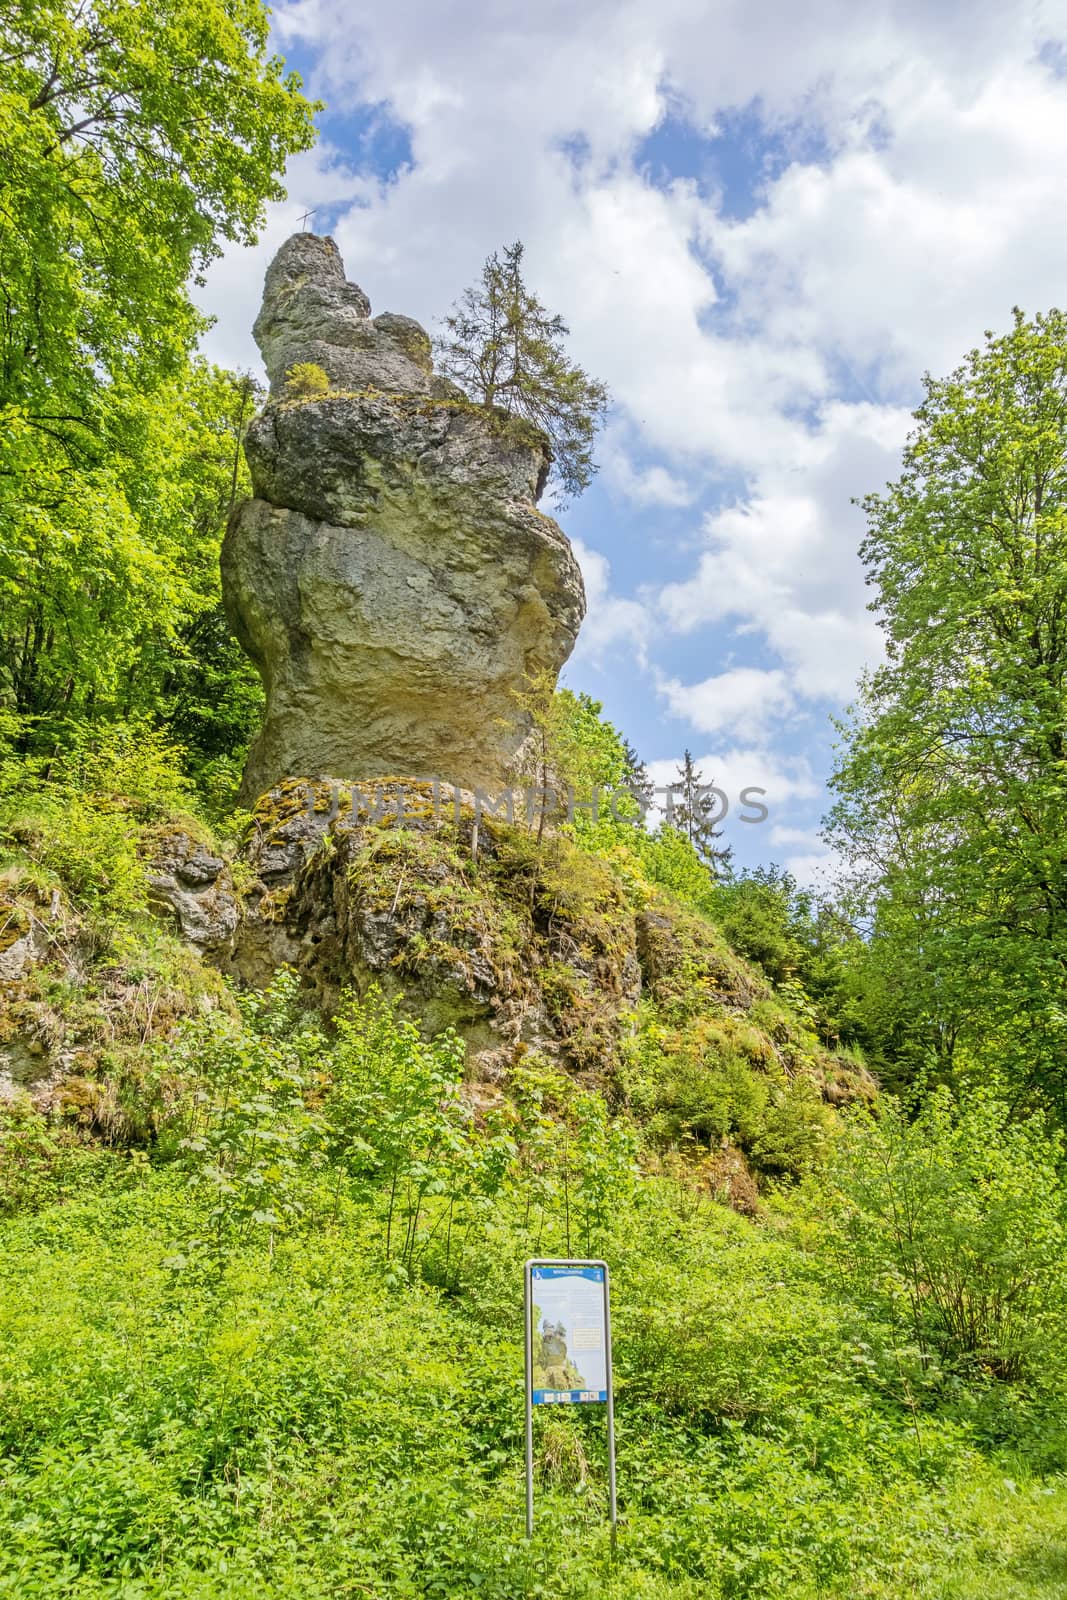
{"x":519,"y":948}
{"x":392,"y":578}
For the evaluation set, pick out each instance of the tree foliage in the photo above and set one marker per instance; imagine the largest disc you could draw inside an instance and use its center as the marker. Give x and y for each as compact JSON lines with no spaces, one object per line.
{"x":952,"y":774}
{"x":109,"y":584}
{"x":136,"y":140}
{"x":506,"y":350}
{"x":959,"y":1217}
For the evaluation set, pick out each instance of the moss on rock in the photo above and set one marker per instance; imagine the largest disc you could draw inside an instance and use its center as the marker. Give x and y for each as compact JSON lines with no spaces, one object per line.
{"x":535,"y":945}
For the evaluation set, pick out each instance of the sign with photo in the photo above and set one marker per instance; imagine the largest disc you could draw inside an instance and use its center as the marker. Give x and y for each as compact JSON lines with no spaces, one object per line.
{"x":570,"y":1346}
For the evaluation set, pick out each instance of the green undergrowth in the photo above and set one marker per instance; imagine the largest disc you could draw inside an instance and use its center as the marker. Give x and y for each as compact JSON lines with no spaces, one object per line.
{"x":283,"y":1351}
{"x":494,"y":916}
{"x":107,"y":980}
{"x":299,"y":1423}
{"x":261,"y":1268}
{"x":643,"y":993}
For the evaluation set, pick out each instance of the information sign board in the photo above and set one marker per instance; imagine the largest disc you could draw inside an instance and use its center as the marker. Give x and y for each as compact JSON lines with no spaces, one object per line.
{"x":568,"y":1351}
{"x":570,"y":1339}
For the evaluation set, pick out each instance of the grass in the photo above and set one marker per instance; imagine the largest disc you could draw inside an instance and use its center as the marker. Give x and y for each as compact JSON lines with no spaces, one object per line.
{"x":217,"y":1379}
{"x":298,"y":1422}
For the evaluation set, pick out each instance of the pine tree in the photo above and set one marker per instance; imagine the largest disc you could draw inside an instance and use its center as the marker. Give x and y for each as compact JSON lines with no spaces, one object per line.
{"x":693,"y":811}
{"x":505,"y":351}
{"x":636,"y":776}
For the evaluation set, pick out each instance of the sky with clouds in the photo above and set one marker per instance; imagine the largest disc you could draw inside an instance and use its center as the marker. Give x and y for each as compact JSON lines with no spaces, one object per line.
{"x":762,"y":226}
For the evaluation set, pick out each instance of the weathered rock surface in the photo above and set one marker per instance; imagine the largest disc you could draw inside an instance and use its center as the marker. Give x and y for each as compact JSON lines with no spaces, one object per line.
{"x":22,"y":941}
{"x":392,"y":578}
{"x":196,"y":887}
{"x":311,"y":313}
{"x":457,"y":918}
{"x":75,"y":1018}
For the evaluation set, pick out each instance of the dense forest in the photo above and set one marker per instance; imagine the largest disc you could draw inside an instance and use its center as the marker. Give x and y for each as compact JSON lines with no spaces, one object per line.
{"x":261,"y":1261}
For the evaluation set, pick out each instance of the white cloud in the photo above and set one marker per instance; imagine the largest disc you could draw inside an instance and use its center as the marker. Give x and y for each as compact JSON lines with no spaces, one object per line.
{"x":896,"y":257}
{"x":738,"y":769}
{"x":783,"y":561}
{"x":652,"y":485}
{"x":611,"y":621}
{"x":809,"y":838}
{"x":745,"y":698}
{"x":816,"y":869}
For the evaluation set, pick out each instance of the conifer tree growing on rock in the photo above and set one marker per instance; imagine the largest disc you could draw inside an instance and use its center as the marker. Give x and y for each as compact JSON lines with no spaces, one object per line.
{"x":505,"y":351}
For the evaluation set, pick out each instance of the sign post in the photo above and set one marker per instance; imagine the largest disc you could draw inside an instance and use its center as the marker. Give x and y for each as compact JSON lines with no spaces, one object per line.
{"x":568,"y":1351}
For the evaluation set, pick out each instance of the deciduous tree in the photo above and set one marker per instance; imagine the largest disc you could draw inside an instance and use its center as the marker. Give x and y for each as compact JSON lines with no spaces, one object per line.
{"x":952,"y":775}
{"x":136,"y":140}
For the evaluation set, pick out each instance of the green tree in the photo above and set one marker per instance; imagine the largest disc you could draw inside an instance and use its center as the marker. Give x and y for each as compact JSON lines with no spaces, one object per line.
{"x":693,"y":809}
{"x":135,"y":141}
{"x":109,"y":582}
{"x":505,"y":350}
{"x":580,"y":760}
{"x":952,"y":772}
{"x":635,"y":772}
{"x":959,"y":1218}
{"x":595,"y":758}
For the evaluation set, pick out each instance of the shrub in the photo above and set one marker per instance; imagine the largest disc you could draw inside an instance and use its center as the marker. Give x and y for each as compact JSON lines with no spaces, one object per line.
{"x":250,"y":1134}
{"x":306,"y":380}
{"x":39,"y":1163}
{"x":77,"y":818}
{"x":394,"y":1116}
{"x":958,"y":1219}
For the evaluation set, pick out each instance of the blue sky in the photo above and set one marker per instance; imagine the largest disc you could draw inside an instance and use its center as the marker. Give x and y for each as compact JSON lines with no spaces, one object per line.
{"x":762,"y":227}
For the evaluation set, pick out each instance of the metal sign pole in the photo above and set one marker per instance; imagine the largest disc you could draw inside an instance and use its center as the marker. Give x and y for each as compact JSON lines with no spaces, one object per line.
{"x":529,"y":1399}
{"x":611,"y":1411}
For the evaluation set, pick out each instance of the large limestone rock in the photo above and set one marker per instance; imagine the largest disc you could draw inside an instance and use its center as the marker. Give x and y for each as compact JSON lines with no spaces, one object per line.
{"x":392,"y":579}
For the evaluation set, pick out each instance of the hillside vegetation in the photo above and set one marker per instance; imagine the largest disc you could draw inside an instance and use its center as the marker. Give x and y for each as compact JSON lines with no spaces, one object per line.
{"x":260,"y":1292}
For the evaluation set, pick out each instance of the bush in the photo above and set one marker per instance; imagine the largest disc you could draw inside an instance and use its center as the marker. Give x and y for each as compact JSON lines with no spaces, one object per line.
{"x":40,"y":1163}
{"x":76,"y":819}
{"x":306,"y":381}
{"x":250,"y":1135}
{"x":959,"y":1220}
{"x":394,"y":1117}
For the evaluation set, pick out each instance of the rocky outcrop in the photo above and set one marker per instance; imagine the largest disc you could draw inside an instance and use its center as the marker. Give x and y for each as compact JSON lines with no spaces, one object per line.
{"x":311,"y":313}
{"x":520,"y":946}
{"x":541,"y":957}
{"x":79,"y":1013}
{"x":392,"y":578}
{"x":464,"y":919}
{"x":196,"y":887}
{"x":23,"y":940}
